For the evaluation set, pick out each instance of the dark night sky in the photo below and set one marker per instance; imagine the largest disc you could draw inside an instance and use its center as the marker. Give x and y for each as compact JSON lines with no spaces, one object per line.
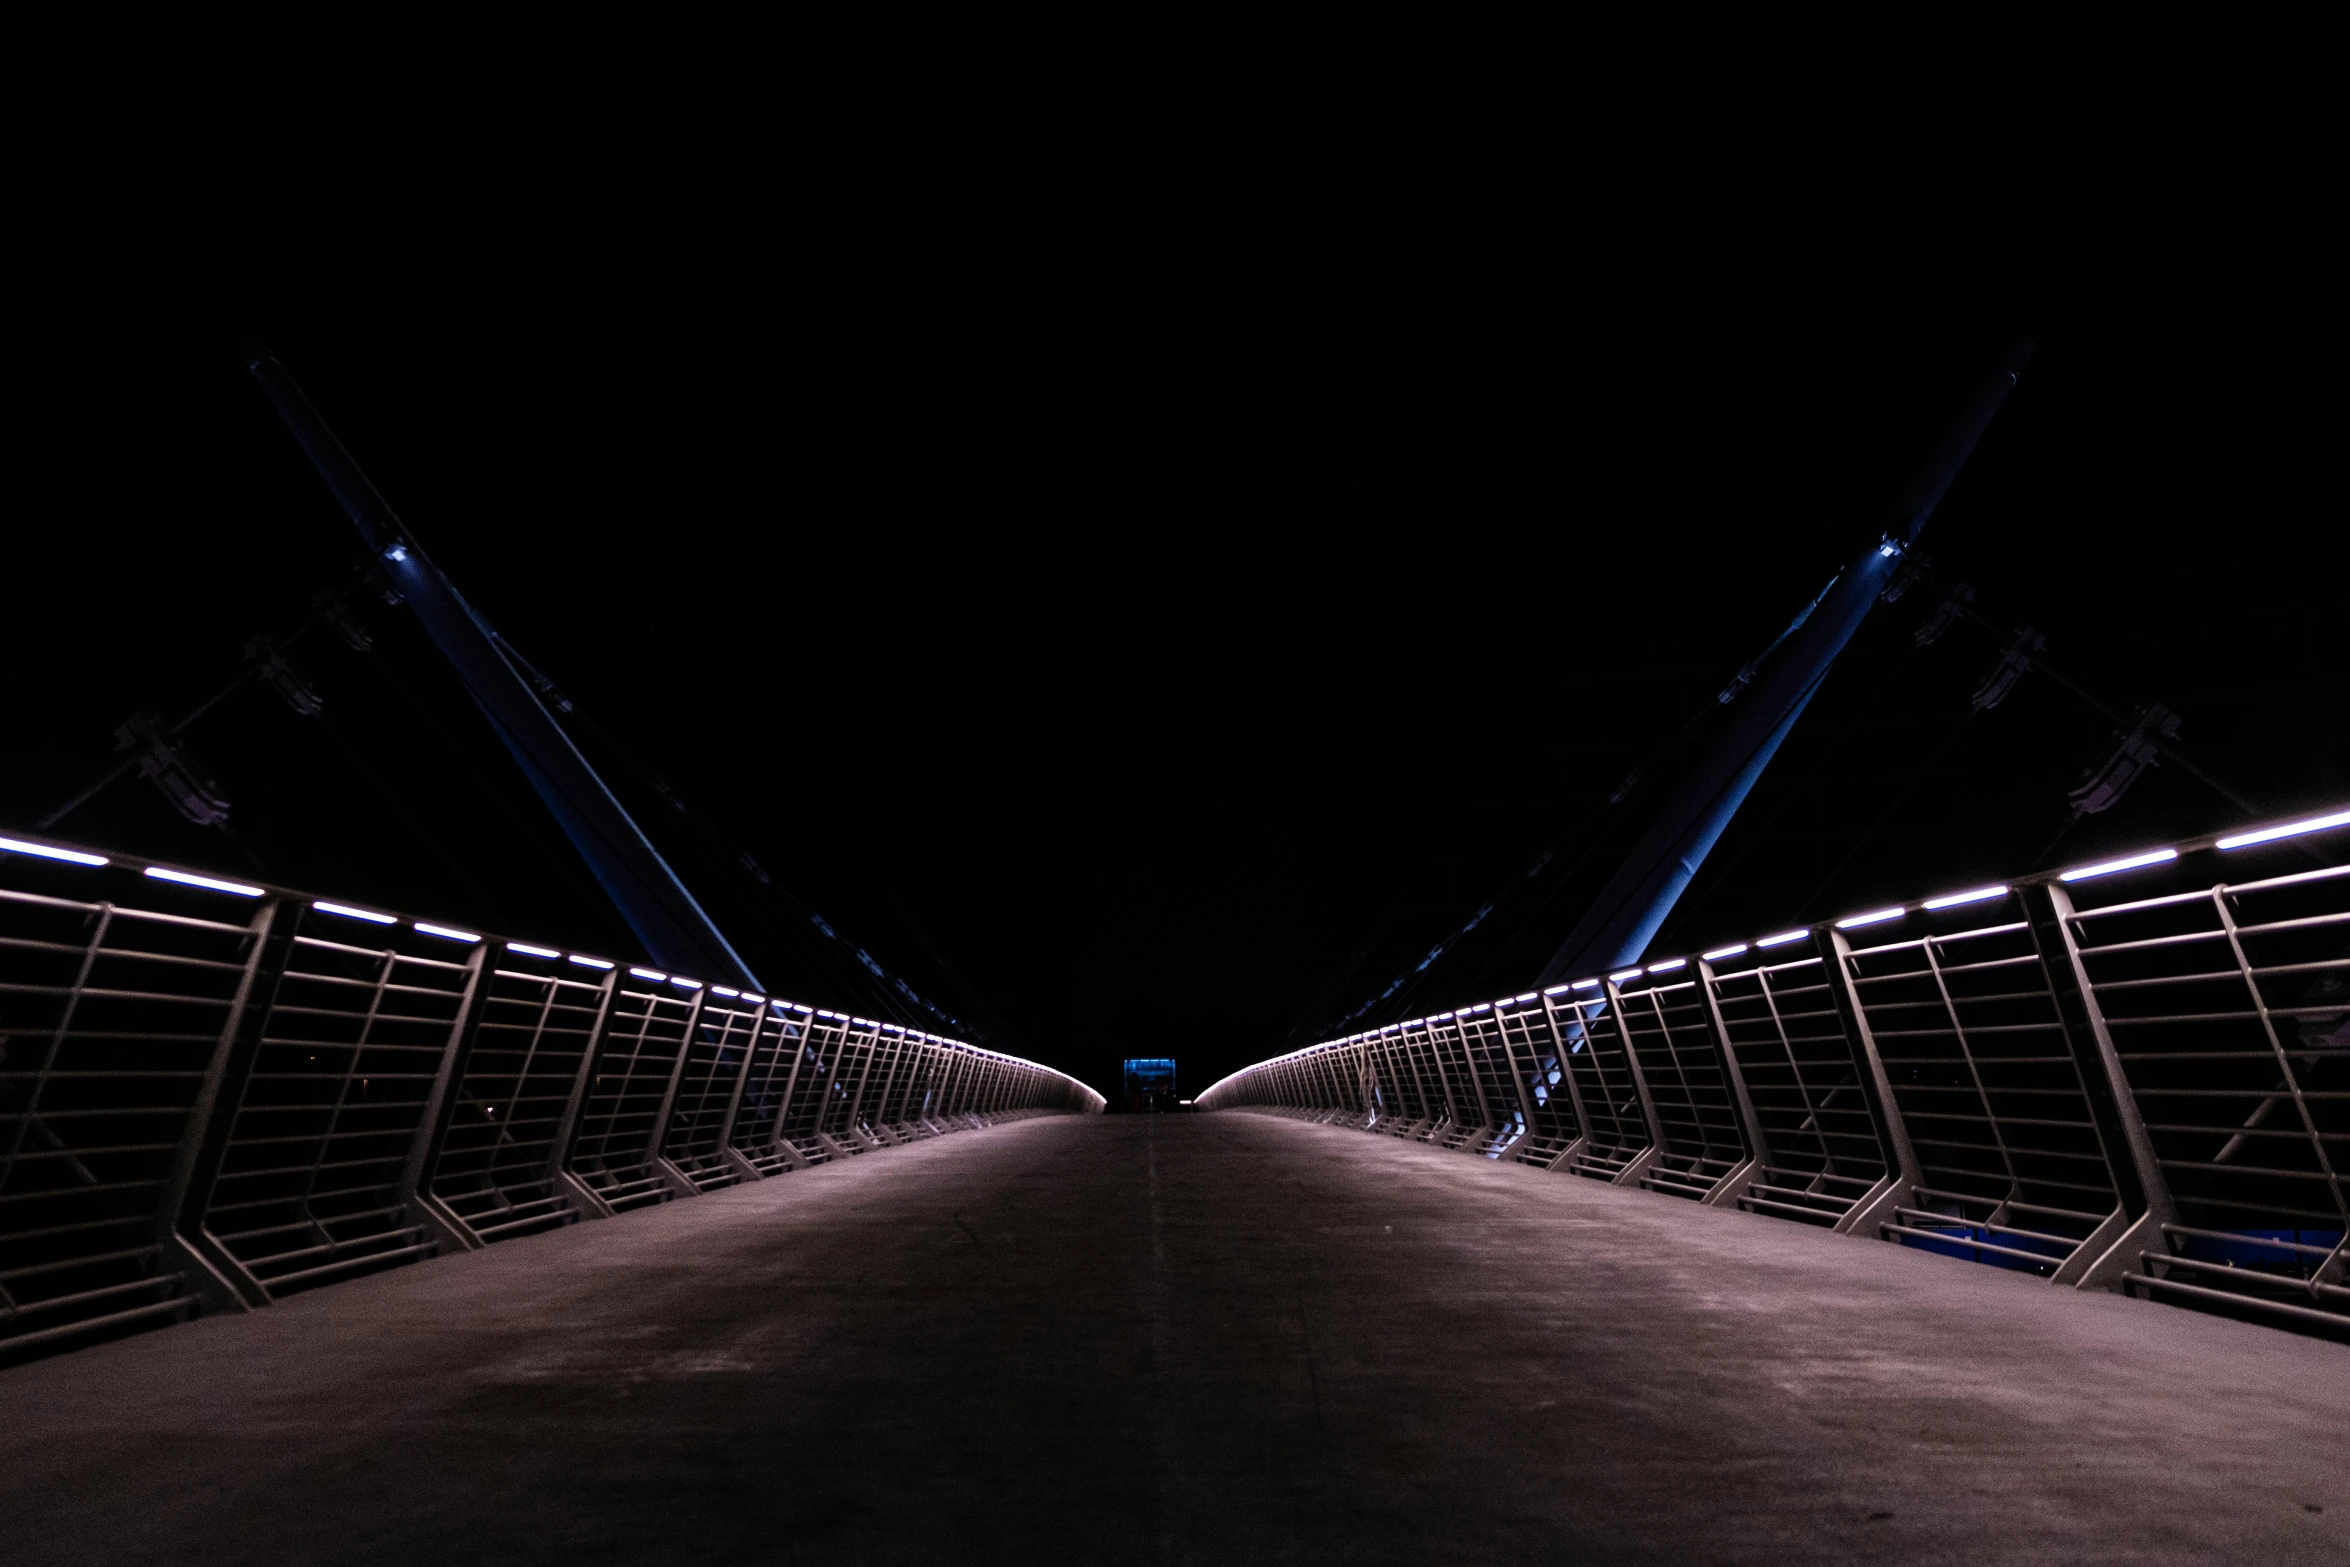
{"x":1148,"y":587}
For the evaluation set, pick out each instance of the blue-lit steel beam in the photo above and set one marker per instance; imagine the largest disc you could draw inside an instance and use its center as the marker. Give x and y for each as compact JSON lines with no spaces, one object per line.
{"x":677,"y":933}
{"x":1626,"y":916}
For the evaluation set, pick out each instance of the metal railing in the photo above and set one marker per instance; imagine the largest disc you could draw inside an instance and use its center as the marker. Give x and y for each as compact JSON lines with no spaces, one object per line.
{"x":214,"y":1094}
{"x":2133,"y":1075}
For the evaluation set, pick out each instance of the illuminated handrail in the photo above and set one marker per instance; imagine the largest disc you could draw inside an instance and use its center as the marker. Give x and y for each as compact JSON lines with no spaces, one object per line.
{"x":215,"y":1093}
{"x":2059,"y":1074}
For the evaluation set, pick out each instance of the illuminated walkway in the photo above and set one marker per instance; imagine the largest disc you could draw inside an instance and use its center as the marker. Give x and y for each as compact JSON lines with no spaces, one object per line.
{"x":1217,"y":1339}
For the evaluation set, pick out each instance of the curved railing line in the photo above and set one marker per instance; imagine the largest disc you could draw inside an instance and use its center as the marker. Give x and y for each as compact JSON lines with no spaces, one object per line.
{"x":215,"y":1092}
{"x":2055,"y":1073}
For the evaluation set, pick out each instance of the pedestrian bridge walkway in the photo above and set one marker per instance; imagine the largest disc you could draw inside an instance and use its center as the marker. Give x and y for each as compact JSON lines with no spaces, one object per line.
{"x":1218,"y":1338}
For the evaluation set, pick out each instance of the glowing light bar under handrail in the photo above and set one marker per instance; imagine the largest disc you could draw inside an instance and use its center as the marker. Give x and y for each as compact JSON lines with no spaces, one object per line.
{"x":1976,"y":895}
{"x":646,"y":973}
{"x":2242,"y":840}
{"x":70,"y":856}
{"x":445,"y":933}
{"x":684,"y":983}
{"x":187,"y":880}
{"x":585,"y":962}
{"x":350,"y":913}
{"x":2108,"y":867}
{"x":529,"y":951}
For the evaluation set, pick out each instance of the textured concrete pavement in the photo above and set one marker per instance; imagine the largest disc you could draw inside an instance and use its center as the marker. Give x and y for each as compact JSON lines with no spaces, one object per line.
{"x":1210,"y":1339}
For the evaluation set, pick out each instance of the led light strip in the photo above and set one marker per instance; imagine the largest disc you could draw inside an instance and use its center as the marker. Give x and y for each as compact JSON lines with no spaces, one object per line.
{"x":2108,"y":867}
{"x":351,"y":911}
{"x":44,"y":851}
{"x":346,"y":911}
{"x":2232,"y":841}
{"x":189,"y":879}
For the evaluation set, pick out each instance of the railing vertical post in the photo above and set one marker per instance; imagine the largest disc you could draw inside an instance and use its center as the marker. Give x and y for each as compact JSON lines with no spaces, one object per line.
{"x":1877,"y":1084}
{"x":742,"y":1079}
{"x":215,"y":1278}
{"x":440,"y":1104}
{"x":1386,"y":1084}
{"x":1758,"y":1148}
{"x":1427,"y":1049}
{"x":1404,"y":1072}
{"x":1631,"y":1173}
{"x":1558,"y":1045}
{"x":674,"y":1178}
{"x":1518,"y":1074}
{"x":950,"y":1082}
{"x":975,"y":1084}
{"x":795,"y":1033}
{"x":734,"y":1156}
{"x":2112,"y":1249}
{"x":567,"y":1129}
{"x":864,"y":1072}
{"x":1460,"y":1030}
{"x":898,"y":1058}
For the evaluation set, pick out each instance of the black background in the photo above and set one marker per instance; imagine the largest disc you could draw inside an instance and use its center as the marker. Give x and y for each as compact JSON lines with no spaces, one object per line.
{"x":1148,"y":577}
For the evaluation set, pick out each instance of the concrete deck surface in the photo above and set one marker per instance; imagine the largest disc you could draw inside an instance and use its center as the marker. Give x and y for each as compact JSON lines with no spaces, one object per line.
{"x":1212,"y":1339}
